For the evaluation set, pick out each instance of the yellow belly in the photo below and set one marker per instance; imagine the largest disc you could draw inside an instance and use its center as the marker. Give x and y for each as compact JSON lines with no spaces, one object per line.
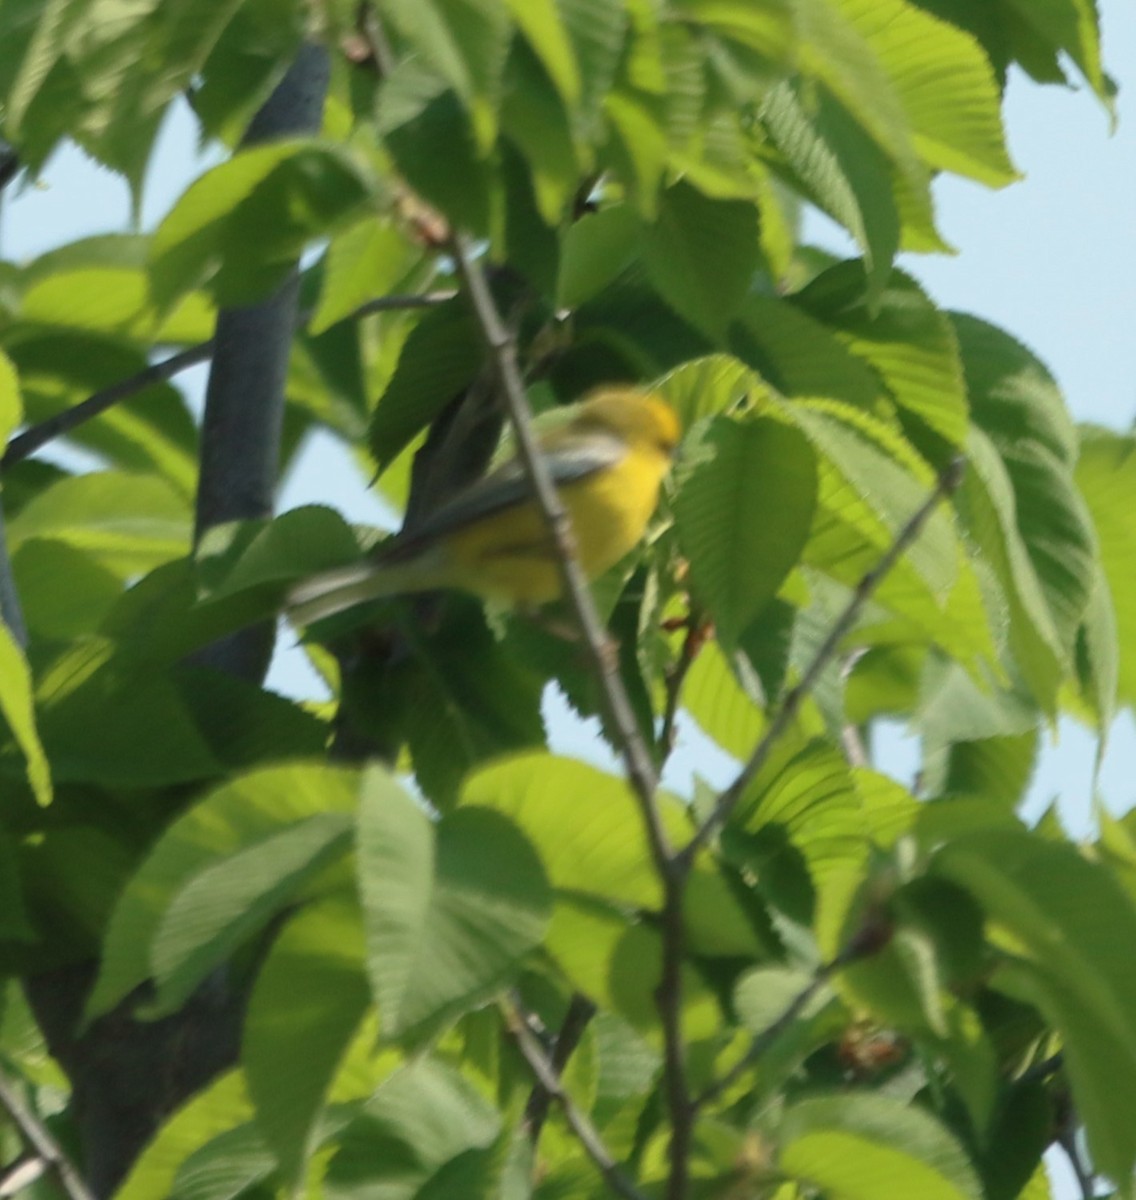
{"x":509,"y":556}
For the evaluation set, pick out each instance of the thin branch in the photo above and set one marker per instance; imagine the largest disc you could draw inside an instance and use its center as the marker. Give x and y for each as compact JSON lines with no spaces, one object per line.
{"x":695,"y":639}
{"x":762,"y":1042}
{"x":11,"y":611}
{"x":875,"y":932}
{"x":546,"y":1076}
{"x":1086,"y":1179}
{"x":36,"y":1134}
{"x":947,"y":484}
{"x":19,"y":1175}
{"x":502,"y":347}
{"x":25,"y":444}
{"x":854,"y":749}
{"x":1041,"y":1071}
{"x":9,"y":165}
{"x":672,"y":869}
{"x":391,"y":304}
{"x":576,"y":1019}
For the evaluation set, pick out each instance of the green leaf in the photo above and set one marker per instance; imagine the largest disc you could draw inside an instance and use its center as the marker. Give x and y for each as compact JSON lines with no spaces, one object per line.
{"x":221,"y":1106}
{"x":581,"y":821}
{"x":706,"y":385}
{"x":466,"y":42}
{"x":873,"y":1147}
{"x":531,"y":246}
{"x":422,"y":1117}
{"x":589,"y":834}
{"x":944,"y":83}
{"x":439,"y":359}
{"x":450,"y":910}
{"x":464,"y":699}
{"x":764,"y":995}
{"x":241,"y":555}
{"x":246,"y":726}
{"x":835,"y":51}
{"x":1044,"y":900}
{"x":988,"y":510}
{"x":11,"y":408}
{"x":96,"y":709}
{"x":1028,"y":500}
{"x":19,"y":713}
{"x":811,"y":796}
{"x":597,"y":29}
{"x":841,"y":170}
{"x":247,"y":61}
{"x":799,"y":355}
{"x":639,"y":147}
{"x":363,"y":262}
{"x":743,"y":515}
{"x":1073,"y":27}
{"x":149,"y":432}
{"x":544,"y":29}
{"x":1099,"y":652}
{"x":903,"y":337}
{"x":234,"y":1161}
{"x":242,"y":226}
{"x":1106,"y":476}
{"x":766,"y":26}
{"x":533,"y":117}
{"x":222,"y":906}
{"x":870,"y":485}
{"x":236,"y":815}
{"x":435,"y":149}
{"x":1019,"y":405}
{"x":100,"y":284}
{"x":306,"y":1006}
{"x":14,"y":923}
{"x":594,"y":250}
{"x":126,"y":523}
{"x":724,"y":710}
{"x":701,"y":254}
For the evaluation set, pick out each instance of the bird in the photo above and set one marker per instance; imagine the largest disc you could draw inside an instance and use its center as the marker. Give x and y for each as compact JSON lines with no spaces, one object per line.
{"x":607,"y":460}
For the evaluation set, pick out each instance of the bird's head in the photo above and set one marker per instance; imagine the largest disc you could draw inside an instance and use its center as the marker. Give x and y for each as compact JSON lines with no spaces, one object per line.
{"x":639,"y":417}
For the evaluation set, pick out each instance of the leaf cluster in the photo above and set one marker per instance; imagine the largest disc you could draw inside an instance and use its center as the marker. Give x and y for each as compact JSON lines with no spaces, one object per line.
{"x":887,"y":988}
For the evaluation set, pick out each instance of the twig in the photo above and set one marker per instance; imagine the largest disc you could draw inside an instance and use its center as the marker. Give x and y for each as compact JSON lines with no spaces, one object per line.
{"x":20,"y":1174}
{"x":9,"y":165}
{"x":1042,"y":1070}
{"x":576,"y":1019}
{"x":870,"y":938}
{"x":1086,"y":1179}
{"x":11,"y":610}
{"x":947,"y":484}
{"x":630,"y":743}
{"x":503,"y":349}
{"x":671,"y":868}
{"x":854,"y":749}
{"x":691,"y":644}
{"x":25,"y":444}
{"x":546,"y":1076}
{"x":766,"y":1038}
{"x":368,"y":27}
{"x":36,"y":1134}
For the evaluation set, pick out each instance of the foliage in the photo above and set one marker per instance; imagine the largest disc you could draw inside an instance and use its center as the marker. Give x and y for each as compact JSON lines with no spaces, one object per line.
{"x":875,"y":979}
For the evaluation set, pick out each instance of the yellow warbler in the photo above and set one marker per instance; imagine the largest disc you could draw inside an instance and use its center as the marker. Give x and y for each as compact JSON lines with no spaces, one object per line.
{"x":607,"y":462}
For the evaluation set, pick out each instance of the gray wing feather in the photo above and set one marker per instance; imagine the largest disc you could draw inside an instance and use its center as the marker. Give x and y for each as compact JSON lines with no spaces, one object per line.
{"x":505,"y":486}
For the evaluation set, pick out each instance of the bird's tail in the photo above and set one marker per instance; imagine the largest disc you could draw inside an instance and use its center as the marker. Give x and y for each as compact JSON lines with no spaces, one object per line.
{"x":342,"y":588}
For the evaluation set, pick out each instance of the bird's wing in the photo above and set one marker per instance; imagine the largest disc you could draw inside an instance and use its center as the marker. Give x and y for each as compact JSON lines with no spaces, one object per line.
{"x":569,"y":459}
